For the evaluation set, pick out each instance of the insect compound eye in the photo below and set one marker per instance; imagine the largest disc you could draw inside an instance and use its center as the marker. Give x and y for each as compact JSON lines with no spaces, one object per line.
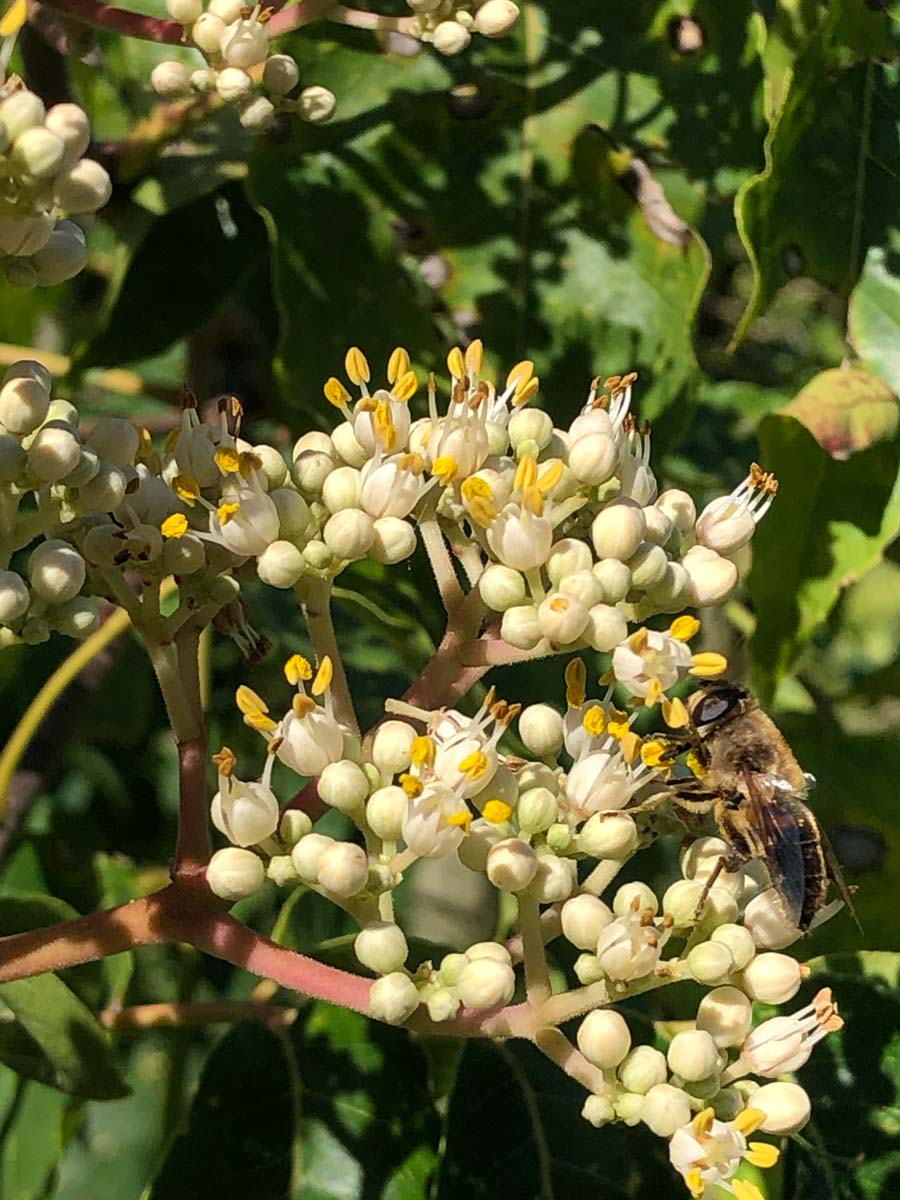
{"x":714,"y":707}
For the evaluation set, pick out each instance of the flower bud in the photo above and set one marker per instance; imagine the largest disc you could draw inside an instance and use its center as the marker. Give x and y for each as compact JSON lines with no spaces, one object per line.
{"x":393,"y":998}
{"x":83,"y":188}
{"x":451,"y":968}
{"x":54,"y":453}
{"x":87,"y":469}
{"x":281,"y":74}
{"x":618,"y":529}
{"x":530,"y":425}
{"x":568,"y":557}
{"x":554,"y":879}
{"x":672,"y":593}
{"x":693,"y":1055}
{"x":280,"y":565}
{"x":520,"y":626}
{"x":598,"y":1111}
{"x":701,"y":858}
{"x":317,"y":555}
{"x":247,"y":813}
{"x":183,"y":556}
{"x":343,"y":786}
{"x":726,"y":1015}
{"x":14,"y":597}
{"x":293,"y":512}
{"x":724,"y":527}
{"x":739,"y":942}
{"x":659,"y":525}
{"x":681,"y":902}
{"x":492,"y":950}
{"x":501,"y":587}
{"x":627,"y":950}
{"x":713,"y":578}
{"x":56,"y":571}
{"x":768,"y":924}
{"x":344,"y":870}
{"x":606,"y":627}
{"x":634,"y":897}
{"x":587,"y":969}
{"x":62,"y":256}
{"x":244,"y":44}
{"x":613,"y":836}
{"x":679,"y":507}
{"x":642,"y":1069}
{"x":561,"y":618}
{"x":170,"y":80}
{"x":541,"y":729}
{"x":592,"y":458}
{"x":394,"y":540}
{"x":25,"y":235}
{"x":115,"y":440}
{"x":341,"y":489}
{"x":495,"y":18}
{"x":665,"y":1108}
{"x":349,"y":534}
{"x":511,"y":865}
{"x":295,"y":825}
{"x":207,"y":31}
{"x":234,"y":874}
{"x":536,"y":774}
{"x":184,"y":11}
{"x":257,"y":113}
{"x":614,"y":578}
{"x":36,"y":154}
{"x":232,"y":84}
{"x":628,"y":1108}
{"x":13,"y":459}
{"x":772,"y":978}
{"x":392,"y":746}
{"x":450,"y":38}
{"x":381,"y":946}
{"x":710,"y":962}
{"x":604,"y":1038}
{"x":648,"y":566}
{"x":474,"y":849}
{"x":583,"y":919}
{"x":584,"y":585}
{"x":20,"y":111}
{"x":281,"y":870}
{"x":537,"y":809}
{"x":486,"y":983}
{"x":105,"y":492}
{"x":316,"y":105}
{"x":203,"y":80}
{"x":443,"y":1005}
{"x":786,"y":1106}
{"x":308,"y":852}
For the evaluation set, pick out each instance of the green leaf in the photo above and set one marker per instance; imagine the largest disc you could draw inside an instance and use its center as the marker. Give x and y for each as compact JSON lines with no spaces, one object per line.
{"x":874,"y":317}
{"x":34,"y":1127}
{"x":830,"y":525}
{"x":846,"y":409}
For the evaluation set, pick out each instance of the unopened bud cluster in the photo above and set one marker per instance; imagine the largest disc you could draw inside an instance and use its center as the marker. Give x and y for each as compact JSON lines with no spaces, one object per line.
{"x":239,"y":69}
{"x":449,"y":25}
{"x":43,"y":178}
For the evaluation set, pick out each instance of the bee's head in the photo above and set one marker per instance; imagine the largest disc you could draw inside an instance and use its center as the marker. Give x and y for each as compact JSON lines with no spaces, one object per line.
{"x":715,"y":703}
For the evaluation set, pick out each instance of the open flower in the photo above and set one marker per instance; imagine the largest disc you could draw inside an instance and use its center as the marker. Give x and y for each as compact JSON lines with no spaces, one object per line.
{"x":247,"y":813}
{"x":392,"y":486}
{"x":783,"y":1044}
{"x":649,"y":662}
{"x":707,"y":1153}
{"x":727,"y":524}
{"x":436,"y":821}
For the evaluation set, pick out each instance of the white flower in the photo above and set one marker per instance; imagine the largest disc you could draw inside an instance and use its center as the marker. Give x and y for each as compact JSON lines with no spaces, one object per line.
{"x":247,"y":813}
{"x":246,"y":521}
{"x":630,"y":947}
{"x":309,"y":737}
{"x":727,"y":524}
{"x":783,"y":1044}
{"x":436,"y":822}
{"x":707,"y":1153}
{"x":650,"y":662}
{"x":392,"y":487}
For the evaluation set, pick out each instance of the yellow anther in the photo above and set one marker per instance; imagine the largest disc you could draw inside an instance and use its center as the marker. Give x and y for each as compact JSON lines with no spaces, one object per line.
{"x":520,"y":374}
{"x":336,"y":393}
{"x":684,"y":628}
{"x":366,"y":405}
{"x":175,"y":526}
{"x":383,"y":422}
{"x":296,"y":668}
{"x":550,"y":478}
{"x":526,"y":474}
{"x":456,"y":364}
{"x":227,"y":512}
{"x":482,"y":512}
{"x":708,"y":665}
{"x":703,"y":1122}
{"x":405,"y":387}
{"x":655,"y":754}
{"x":594,"y":720}
{"x":561,"y":604}
{"x":474,"y":765}
{"x":398,"y":364}
{"x":533,"y":501}
{"x":762,"y":1155}
{"x":475,"y":357}
{"x":496,"y":811}
{"x":248,"y":463}
{"x":357,"y":366}
{"x":249,"y":701}
{"x":617,"y":724}
{"x":324,"y":676}
{"x":744,"y":1190}
{"x":186,"y":488}
{"x":462,"y":820}
{"x":411,"y":785}
{"x":422,"y":751}
{"x":694,"y":765}
{"x":630,"y":746}
{"x":654,"y":692}
{"x":303,"y":705}
{"x":227,"y":460}
{"x":527,"y":391}
{"x":226,"y":761}
{"x":694,"y":1181}
{"x":638,"y":640}
{"x":260,"y":722}
{"x":13,"y":19}
{"x":749,"y":1120}
{"x":171,"y":439}
{"x":446,"y":468}
{"x":576,"y":676}
{"x":674,"y":713}
{"x":476,"y":487}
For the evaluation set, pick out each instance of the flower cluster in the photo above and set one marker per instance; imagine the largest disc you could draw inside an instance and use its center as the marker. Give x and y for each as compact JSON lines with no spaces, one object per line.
{"x":234,"y":41}
{"x":44,"y":175}
{"x":449,"y":26}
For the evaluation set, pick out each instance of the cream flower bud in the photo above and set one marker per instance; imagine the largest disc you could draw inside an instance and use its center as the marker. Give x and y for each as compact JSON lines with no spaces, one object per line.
{"x":181,"y":556}
{"x":628,"y":1108}
{"x":681,"y":902}
{"x":537,"y":809}
{"x":203,"y":80}
{"x":393,"y":540}
{"x":56,"y":571}
{"x":451,"y":968}
{"x":501,"y":587}
{"x":786,"y":1106}
{"x":233,"y":83}
{"x":293,"y":512}
{"x":583,"y":920}
{"x":115,"y":440}
{"x":648,"y":566}
{"x":701,"y":858}
{"x":392,"y":746}
{"x":724,"y":526}
{"x":486,"y":983}
{"x":87,"y":469}
{"x":76,"y":618}
{"x":25,"y":235}
{"x":280,"y":565}
{"x":341,"y":489}
{"x":23,"y":404}
{"x":256,"y":113}
{"x":496,"y":18}
{"x":295,"y":825}
{"x":713,"y":578}
{"x":170,"y":80}
{"x":281,"y":74}
{"x":349,"y":534}
{"x":634,"y":897}
{"x":492,"y":950}
{"x":316,"y":105}
{"x":584,"y":585}
{"x":520,"y":626}
{"x":772,"y":978}
{"x":562,"y":618}
{"x":614,"y":578}
{"x":184,"y":11}
{"x":281,"y":870}
{"x":604,"y":1038}
{"x":768,"y":924}
{"x":443,"y":1005}
{"x":348,"y":448}
{"x":606,"y":627}
{"x":554,"y":879}
{"x":226,"y":10}
{"x":14,"y":597}
{"x":643,"y":1068}
{"x":598,"y":1111}
{"x":54,"y":453}
{"x":738,"y":940}
{"x":62,"y":256}
{"x":36,"y":154}
{"x":711,"y":963}
{"x":381,"y":946}
{"x":530,"y":425}
{"x":385,"y":813}
{"x":247,"y":813}
{"x":244,"y":44}
{"x":343,"y":870}
{"x":541,"y":729}
{"x":587,"y":969}
{"x":679,"y":508}
{"x":393,"y":998}
{"x":511,"y":865}
{"x":474,"y":849}
{"x":659,"y":525}
{"x":618,"y":529}
{"x":83,"y":188}
{"x":672,"y":593}
{"x":665,"y":1108}
{"x":234,"y":874}
{"x":568,"y":557}
{"x":450,"y":38}
{"x":308,"y":853}
{"x":592,"y":452}
{"x":343,"y":785}
{"x":20,"y":111}
{"x":693,"y":1055}
{"x":13,"y":459}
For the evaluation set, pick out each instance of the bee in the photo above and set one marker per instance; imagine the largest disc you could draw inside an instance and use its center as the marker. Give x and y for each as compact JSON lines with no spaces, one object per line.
{"x":747,"y":776}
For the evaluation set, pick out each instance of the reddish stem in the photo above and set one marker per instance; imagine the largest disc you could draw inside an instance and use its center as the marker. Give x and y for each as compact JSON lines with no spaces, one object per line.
{"x":193,"y":847}
{"x":131,"y":24}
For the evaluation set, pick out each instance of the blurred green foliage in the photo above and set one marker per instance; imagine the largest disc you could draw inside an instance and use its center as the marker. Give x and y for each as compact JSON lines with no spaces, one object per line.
{"x":502,"y":193}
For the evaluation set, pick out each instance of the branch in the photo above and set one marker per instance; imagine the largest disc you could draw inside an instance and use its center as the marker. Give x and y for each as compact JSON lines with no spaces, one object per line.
{"x":441,"y":564}
{"x":193,"y":846}
{"x":131,"y":24}
{"x":537,"y":980}
{"x":316,"y":600}
{"x":296,"y":16}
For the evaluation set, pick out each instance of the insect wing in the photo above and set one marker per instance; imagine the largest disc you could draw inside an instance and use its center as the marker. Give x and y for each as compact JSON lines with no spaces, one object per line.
{"x":790,"y":844}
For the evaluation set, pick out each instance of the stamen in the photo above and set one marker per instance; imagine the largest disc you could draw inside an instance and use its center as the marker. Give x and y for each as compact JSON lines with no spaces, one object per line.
{"x":708,"y":665}
{"x":249,"y":701}
{"x":631,"y":746}
{"x":654,"y":691}
{"x":445,"y":468}
{"x":411,"y":785}
{"x":496,"y":811}
{"x":694,"y":1181}
{"x":474,"y":765}
{"x":357,"y":366}
{"x":683,"y":628}
{"x":398,"y":364}
{"x":475,"y":357}
{"x":520,"y":374}
{"x":617,"y":724}
{"x":422,"y":751}
{"x":761,"y":1154}
{"x":550,"y":478}
{"x":186,"y":488}
{"x":749,"y":1121}
{"x":462,"y":820}
{"x":456,"y":363}
{"x":227,"y":460}
{"x":576,"y":676}
{"x":703,"y":1122}
{"x":303,"y":705}
{"x":323,"y":678}
{"x":406,"y":387}
{"x":175,"y":526}
{"x":526,"y":474}
{"x":674,"y":712}
{"x":296,"y":668}
{"x":533,"y":501}
{"x":227,"y":512}
{"x":743,"y":1190}
{"x":527,"y":391}
{"x":594,"y":721}
{"x":226,"y":761}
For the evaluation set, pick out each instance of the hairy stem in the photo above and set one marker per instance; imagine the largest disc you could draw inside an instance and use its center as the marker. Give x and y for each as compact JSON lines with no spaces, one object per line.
{"x":537,"y":980}
{"x":557,"y":1047}
{"x":441,"y":564}
{"x":316,"y":599}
